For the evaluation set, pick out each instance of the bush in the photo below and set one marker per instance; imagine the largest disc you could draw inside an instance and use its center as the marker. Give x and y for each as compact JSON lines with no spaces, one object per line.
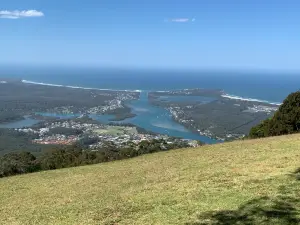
{"x":261,"y":130}
{"x":18,"y":163}
{"x":61,"y":158}
{"x":285,"y":121}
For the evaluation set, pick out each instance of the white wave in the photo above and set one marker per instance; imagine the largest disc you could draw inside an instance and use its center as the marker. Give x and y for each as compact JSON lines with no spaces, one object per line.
{"x":76,"y":87}
{"x":249,"y":99}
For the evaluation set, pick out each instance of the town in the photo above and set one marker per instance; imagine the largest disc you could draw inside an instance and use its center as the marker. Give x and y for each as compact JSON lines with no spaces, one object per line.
{"x":108,"y":106}
{"x":95,"y":135}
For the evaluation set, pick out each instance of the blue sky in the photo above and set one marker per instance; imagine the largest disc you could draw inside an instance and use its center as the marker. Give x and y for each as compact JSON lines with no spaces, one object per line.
{"x":193,"y":34}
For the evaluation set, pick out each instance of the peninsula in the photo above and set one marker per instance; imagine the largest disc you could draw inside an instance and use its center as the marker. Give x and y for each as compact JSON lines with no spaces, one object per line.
{"x":213,"y":113}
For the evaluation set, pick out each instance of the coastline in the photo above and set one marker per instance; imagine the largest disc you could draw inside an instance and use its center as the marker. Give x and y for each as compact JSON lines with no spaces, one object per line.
{"x":223,"y":95}
{"x":75,"y":87}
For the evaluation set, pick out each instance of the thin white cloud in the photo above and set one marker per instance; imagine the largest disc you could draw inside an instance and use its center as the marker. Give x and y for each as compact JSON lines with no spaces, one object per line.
{"x":16,"y":14}
{"x":180,"y":20}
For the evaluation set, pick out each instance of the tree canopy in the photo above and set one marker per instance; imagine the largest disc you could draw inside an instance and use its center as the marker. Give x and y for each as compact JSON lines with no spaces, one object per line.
{"x":285,"y":121}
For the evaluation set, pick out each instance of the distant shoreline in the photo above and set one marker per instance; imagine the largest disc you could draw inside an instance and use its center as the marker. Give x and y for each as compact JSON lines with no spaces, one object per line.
{"x":224,"y":95}
{"x":249,"y":99}
{"x":75,"y":87}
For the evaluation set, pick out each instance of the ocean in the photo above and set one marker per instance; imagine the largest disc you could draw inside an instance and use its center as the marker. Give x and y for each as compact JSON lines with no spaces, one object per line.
{"x":262,"y":86}
{"x":265,"y":87}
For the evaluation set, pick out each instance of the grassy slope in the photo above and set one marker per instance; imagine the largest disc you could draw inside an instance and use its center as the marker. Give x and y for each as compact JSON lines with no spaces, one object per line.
{"x":164,"y":188}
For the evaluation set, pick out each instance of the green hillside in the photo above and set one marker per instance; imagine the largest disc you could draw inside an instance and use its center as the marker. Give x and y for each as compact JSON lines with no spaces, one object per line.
{"x":243,"y":182}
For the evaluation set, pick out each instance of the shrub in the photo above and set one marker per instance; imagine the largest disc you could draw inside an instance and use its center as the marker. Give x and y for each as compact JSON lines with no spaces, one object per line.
{"x":285,"y":121}
{"x":18,"y":163}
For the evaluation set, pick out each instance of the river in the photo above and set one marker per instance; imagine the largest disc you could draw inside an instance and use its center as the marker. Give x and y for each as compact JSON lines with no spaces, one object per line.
{"x":26,"y":122}
{"x":159,"y":120}
{"x":149,"y":117}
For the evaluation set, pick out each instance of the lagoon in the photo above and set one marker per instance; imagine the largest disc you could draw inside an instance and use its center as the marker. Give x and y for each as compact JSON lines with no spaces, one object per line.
{"x":103,"y":118}
{"x":159,"y":120}
{"x":149,"y":117}
{"x":26,"y":122}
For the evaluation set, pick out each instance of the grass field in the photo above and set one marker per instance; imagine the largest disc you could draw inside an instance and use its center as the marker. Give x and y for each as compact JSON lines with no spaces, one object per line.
{"x":243,"y":182}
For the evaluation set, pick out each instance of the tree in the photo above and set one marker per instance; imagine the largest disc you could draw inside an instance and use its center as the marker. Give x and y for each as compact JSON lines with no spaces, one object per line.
{"x":18,"y":163}
{"x":285,"y":121}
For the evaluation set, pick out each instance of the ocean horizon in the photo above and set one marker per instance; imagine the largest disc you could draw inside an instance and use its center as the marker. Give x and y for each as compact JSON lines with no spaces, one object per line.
{"x":272,"y":88}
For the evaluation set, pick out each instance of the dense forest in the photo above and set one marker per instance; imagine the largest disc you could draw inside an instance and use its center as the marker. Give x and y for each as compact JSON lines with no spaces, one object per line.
{"x":77,"y":155}
{"x":285,"y":121}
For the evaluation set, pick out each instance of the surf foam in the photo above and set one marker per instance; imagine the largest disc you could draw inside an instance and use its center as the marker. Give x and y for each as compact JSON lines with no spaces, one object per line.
{"x":76,"y":87}
{"x":249,"y":99}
